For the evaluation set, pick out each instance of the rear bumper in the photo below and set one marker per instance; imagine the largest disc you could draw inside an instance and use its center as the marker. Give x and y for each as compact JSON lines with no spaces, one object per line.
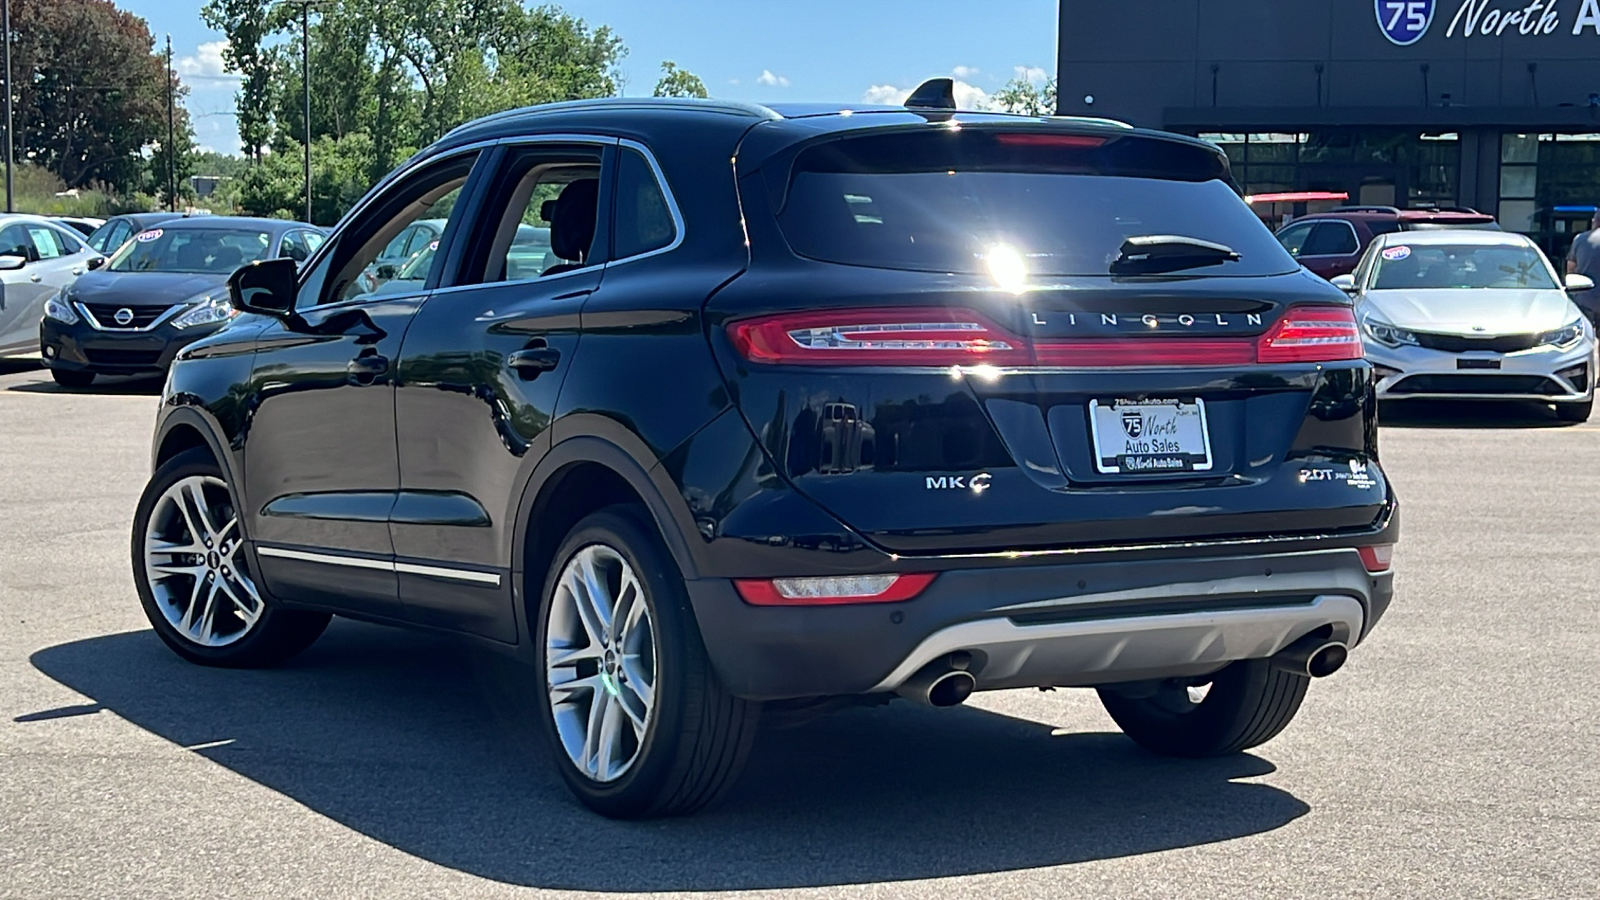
{"x":1060,"y":625}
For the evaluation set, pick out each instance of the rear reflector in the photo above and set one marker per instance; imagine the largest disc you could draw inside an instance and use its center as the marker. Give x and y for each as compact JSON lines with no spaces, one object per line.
{"x":946,"y":336}
{"x":833,"y":590}
{"x":1377,"y":558}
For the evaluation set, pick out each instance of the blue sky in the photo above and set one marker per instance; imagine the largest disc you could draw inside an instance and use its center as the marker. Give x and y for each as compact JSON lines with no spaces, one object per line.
{"x":845,"y":50}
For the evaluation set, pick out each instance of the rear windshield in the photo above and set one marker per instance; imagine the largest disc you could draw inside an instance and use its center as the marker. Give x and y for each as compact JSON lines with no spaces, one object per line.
{"x":197,"y":250}
{"x":942,"y":201}
{"x":1455,"y":266}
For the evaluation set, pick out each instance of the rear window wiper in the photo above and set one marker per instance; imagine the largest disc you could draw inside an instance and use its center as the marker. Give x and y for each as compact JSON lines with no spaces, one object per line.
{"x":1147,"y":254}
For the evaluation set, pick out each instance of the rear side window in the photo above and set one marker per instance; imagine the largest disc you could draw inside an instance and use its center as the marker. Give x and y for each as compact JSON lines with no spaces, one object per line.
{"x":942,"y":201}
{"x":1331,"y":239}
{"x":643,"y":220}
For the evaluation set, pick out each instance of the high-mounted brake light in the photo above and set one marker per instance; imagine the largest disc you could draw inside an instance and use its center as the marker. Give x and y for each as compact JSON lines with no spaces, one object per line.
{"x":1312,"y":334}
{"x":833,"y":590}
{"x":1041,"y":139}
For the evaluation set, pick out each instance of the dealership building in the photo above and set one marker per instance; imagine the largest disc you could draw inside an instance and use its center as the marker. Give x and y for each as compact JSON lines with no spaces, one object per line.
{"x":1490,"y":104}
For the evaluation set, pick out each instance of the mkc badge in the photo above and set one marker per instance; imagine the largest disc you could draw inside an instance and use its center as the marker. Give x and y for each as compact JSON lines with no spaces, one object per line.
{"x":1404,"y":22}
{"x":1133,"y":423}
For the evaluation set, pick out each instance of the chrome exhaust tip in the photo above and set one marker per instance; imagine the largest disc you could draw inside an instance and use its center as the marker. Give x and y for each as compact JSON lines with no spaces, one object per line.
{"x":939,"y":685}
{"x":1312,"y":656}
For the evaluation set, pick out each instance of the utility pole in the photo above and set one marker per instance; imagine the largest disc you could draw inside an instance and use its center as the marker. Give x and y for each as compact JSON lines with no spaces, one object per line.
{"x":305,"y":78}
{"x":5,"y":14}
{"x":172,"y":181}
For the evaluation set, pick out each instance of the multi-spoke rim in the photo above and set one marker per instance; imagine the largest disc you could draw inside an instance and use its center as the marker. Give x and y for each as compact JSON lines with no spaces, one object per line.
{"x":600,"y":662}
{"x":194,"y":566}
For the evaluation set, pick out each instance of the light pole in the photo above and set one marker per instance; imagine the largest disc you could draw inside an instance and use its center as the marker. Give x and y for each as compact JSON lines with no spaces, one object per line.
{"x":305,"y":79}
{"x":172,"y":135}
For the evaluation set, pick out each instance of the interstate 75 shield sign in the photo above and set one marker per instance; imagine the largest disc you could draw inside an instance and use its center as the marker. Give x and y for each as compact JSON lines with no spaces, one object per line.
{"x":1404,"y":22}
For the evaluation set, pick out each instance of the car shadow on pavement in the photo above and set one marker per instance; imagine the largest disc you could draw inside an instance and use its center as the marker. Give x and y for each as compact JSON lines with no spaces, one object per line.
{"x":105,"y":385}
{"x":429,"y":746}
{"x":1469,"y":414}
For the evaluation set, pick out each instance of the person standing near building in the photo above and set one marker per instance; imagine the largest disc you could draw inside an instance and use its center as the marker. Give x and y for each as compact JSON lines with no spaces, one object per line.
{"x":1584,"y":259}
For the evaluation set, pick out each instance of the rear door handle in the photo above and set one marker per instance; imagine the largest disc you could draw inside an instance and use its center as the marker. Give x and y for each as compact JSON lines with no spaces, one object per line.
{"x":77,"y":270}
{"x":530,"y":364}
{"x":366,"y":369}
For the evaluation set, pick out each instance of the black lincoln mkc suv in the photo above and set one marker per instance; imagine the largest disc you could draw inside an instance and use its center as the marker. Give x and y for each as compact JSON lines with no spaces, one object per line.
{"x":800,"y":405}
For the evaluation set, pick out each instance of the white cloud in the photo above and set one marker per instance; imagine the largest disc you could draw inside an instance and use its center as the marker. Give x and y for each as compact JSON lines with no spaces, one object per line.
{"x":733,"y":81}
{"x":206,"y":63}
{"x":967,"y":96}
{"x":964,"y":71}
{"x":770,"y":79}
{"x":1030,"y":74}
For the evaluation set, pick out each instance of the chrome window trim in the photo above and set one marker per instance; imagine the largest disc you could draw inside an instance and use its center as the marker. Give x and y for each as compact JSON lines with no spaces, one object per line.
{"x":157,"y":322}
{"x":382,"y":565}
{"x":672,"y":206}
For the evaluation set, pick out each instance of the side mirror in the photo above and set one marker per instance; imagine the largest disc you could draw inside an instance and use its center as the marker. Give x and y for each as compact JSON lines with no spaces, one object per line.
{"x":10,"y":263}
{"x":1576,"y":283}
{"x":267,"y":287}
{"x":96,"y":262}
{"x":386,"y":271}
{"x":1346,"y":283}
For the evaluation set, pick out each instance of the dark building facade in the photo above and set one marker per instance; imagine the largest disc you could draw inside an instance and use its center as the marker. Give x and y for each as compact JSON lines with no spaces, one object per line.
{"x":1491,"y":104}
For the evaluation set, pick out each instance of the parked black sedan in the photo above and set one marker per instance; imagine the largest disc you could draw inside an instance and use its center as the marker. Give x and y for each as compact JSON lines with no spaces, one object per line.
{"x":115,"y":231}
{"x":160,"y":291}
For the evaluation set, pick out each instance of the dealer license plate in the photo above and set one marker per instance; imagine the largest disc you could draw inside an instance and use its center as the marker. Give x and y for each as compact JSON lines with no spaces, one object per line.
{"x":1149,"y":437}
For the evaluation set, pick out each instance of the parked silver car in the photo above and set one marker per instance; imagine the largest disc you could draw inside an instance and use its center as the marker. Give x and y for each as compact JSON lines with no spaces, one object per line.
{"x":38,"y":258}
{"x":1473,"y":314}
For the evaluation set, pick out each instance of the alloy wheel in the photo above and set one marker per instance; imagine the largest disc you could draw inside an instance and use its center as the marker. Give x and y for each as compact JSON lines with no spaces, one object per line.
{"x":194,"y":566}
{"x":600,"y":663}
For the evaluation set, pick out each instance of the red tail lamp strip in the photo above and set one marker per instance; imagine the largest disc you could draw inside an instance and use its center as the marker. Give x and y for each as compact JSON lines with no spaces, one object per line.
{"x":943,"y":336}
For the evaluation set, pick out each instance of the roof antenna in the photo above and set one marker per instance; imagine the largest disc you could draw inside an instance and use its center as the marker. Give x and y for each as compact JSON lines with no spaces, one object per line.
{"x":935,"y":93}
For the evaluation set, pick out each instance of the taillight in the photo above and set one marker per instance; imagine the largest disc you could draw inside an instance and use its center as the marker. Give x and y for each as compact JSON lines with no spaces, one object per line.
{"x":945,"y":336}
{"x":833,"y":590}
{"x":1377,"y":557}
{"x":1312,"y":334}
{"x":879,"y":337}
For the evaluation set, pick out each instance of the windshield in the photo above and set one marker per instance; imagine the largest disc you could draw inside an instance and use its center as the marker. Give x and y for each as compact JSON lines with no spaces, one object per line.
{"x":1055,"y":204}
{"x":197,"y":250}
{"x":1452,"y":266}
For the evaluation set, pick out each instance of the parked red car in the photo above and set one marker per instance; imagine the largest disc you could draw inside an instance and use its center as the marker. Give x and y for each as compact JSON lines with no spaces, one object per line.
{"x":1331,"y":243}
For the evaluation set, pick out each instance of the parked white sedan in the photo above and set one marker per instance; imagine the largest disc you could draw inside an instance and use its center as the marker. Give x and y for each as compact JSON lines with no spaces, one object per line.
{"x":37,"y":259}
{"x":1473,"y":314}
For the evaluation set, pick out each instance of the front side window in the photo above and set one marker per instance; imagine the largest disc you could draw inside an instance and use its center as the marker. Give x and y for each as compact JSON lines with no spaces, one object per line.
{"x":1331,"y":239}
{"x":1294,"y":237}
{"x":370,"y":259}
{"x":197,"y":250}
{"x":1457,"y":266}
{"x":644,"y":221}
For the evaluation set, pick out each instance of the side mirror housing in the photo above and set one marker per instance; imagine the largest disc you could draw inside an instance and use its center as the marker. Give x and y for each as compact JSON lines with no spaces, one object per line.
{"x":10,"y":263}
{"x":1346,"y":283}
{"x":267,"y":287}
{"x":1576,"y":283}
{"x":96,"y":262}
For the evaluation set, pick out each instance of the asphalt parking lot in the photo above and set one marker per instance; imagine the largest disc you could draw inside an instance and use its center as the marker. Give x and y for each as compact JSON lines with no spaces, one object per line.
{"x":1454,"y":757}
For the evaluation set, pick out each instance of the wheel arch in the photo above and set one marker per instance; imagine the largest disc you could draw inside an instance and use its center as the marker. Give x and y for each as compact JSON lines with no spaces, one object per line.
{"x":581,"y":475}
{"x":186,"y":428}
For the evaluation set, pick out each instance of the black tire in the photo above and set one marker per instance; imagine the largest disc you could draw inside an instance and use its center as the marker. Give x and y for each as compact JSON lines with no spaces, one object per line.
{"x":1248,"y":704}
{"x":1575,"y":412}
{"x":276,"y":635}
{"x":72,"y":378}
{"x":697,"y":736}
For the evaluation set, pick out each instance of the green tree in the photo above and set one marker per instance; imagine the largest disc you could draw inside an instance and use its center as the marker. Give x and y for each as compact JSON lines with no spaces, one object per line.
{"x":248,"y":25}
{"x":90,"y":91}
{"x":183,"y":158}
{"x":676,"y":82}
{"x":1027,"y":98}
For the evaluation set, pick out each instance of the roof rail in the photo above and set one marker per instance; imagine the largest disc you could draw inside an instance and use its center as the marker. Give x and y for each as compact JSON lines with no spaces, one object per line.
{"x":1361,"y":208}
{"x":1450,"y":209}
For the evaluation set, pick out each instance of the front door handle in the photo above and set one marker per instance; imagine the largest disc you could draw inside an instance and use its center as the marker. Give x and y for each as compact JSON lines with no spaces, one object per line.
{"x":366,"y":369}
{"x":78,"y":270}
{"x":34,"y":278}
{"x":532,"y":363}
